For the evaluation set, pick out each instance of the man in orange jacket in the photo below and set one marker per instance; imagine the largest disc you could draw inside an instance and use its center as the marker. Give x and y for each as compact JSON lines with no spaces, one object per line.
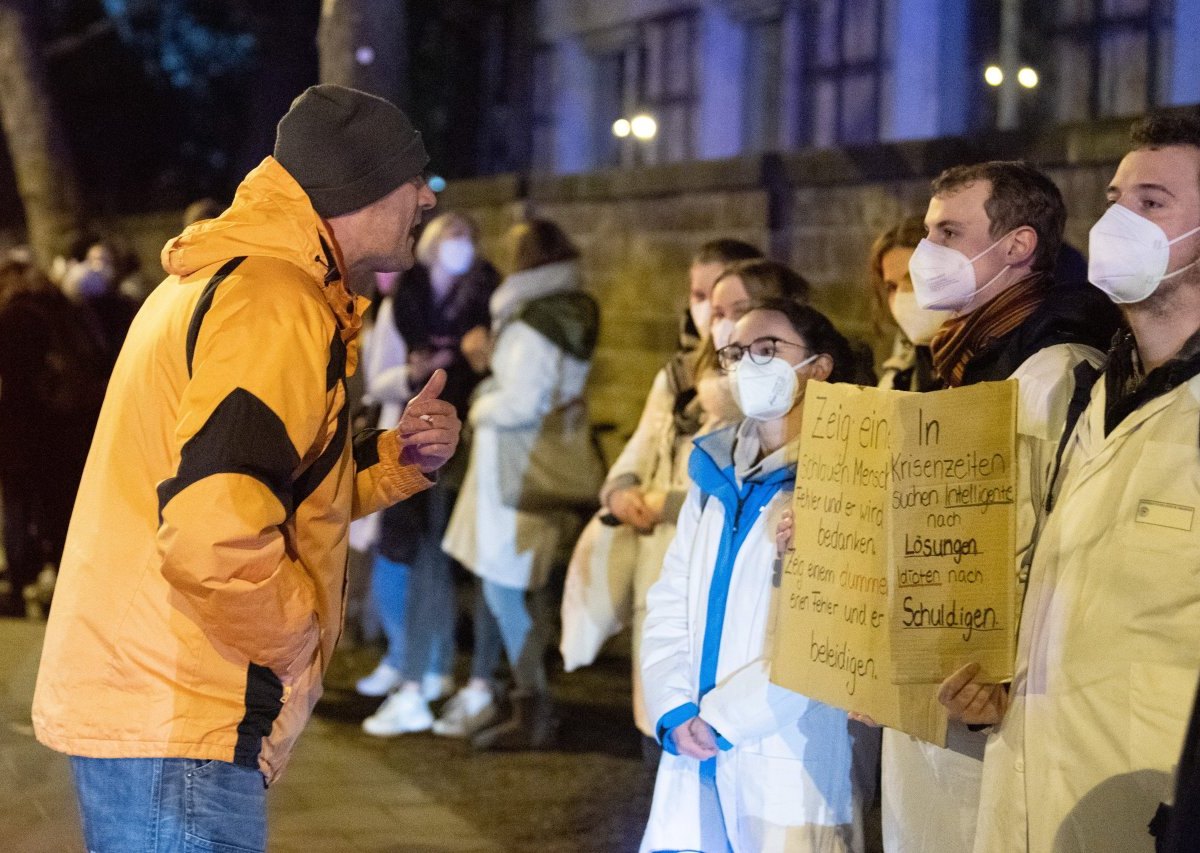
{"x":203,"y":583}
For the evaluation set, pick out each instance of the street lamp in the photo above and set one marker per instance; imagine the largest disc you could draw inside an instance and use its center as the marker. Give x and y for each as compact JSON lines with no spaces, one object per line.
{"x":1009,"y":90}
{"x":644,"y":127}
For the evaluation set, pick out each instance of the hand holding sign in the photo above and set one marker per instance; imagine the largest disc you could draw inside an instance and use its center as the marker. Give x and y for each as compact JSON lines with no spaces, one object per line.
{"x":971,"y":701}
{"x":429,"y":428}
{"x":785,"y":532}
{"x":904,"y":538}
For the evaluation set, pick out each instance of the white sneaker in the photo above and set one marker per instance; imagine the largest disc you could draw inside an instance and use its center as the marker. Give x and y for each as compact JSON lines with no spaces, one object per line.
{"x":381,"y":682}
{"x":435,"y":687}
{"x":467,"y":712}
{"x":403,"y":712}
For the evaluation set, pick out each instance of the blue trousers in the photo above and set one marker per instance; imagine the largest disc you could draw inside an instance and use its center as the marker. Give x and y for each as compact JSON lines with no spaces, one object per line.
{"x":517,"y":622}
{"x":170,"y":805}
{"x":416,"y":607}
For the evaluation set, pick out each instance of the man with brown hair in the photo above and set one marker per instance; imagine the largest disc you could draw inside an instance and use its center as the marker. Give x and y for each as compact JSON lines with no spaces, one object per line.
{"x":1109,"y":648}
{"x":994,"y":233}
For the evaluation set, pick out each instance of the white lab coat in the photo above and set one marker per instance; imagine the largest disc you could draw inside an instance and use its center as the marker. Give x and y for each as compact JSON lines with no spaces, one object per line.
{"x":1109,"y":648}
{"x":530,"y":377}
{"x":784,"y":779}
{"x":655,"y":458}
{"x":930,"y":794}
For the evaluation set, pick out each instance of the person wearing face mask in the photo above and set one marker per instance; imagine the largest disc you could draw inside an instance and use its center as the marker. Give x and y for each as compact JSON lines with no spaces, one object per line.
{"x":737,"y":288}
{"x":910,"y":366}
{"x":426,"y":313}
{"x":986,"y":265}
{"x":646,"y":486}
{"x":92,"y":284}
{"x":546,"y":327}
{"x":1108,"y":651}
{"x":746,"y":765}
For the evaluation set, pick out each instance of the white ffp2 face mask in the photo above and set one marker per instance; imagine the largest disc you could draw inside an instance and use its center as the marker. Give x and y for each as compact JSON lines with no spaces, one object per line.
{"x":765,"y":392}
{"x":701,"y":315}
{"x":1128,"y":255}
{"x":455,"y":255}
{"x":918,"y":324}
{"x":944,"y":278}
{"x":722,"y":333}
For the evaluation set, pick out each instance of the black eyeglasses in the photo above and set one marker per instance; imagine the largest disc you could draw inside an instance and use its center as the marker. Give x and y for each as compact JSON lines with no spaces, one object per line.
{"x":761,"y":350}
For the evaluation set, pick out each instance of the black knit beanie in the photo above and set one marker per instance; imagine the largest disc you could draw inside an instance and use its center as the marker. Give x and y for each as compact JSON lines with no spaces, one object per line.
{"x":347,"y":148}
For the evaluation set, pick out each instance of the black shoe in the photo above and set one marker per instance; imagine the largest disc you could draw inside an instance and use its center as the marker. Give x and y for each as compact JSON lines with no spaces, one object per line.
{"x":532,"y":725}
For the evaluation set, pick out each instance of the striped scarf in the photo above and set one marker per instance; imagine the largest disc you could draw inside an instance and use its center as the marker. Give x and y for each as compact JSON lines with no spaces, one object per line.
{"x":961,"y":339}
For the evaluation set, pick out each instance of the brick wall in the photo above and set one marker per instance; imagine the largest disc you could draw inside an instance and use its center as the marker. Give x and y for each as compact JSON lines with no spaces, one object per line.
{"x":817,"y":210}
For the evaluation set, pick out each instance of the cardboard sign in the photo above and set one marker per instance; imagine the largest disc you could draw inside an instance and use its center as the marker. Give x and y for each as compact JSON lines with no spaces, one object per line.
{"x":903,"y":566}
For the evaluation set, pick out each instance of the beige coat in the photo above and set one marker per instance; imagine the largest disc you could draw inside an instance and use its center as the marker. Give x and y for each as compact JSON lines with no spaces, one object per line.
{"x":1109,"y":649}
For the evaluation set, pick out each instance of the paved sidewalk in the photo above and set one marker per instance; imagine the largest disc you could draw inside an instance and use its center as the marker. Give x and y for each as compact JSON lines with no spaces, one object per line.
{"x":346,"y":791}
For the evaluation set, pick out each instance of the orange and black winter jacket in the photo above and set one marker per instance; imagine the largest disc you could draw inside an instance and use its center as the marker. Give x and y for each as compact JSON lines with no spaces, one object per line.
{"x":202,"y":589}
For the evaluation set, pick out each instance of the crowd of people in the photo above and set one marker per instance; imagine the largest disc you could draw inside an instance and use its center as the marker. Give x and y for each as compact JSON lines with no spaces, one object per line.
{"x":1078,"y":752}
{"x":60,"y":332}
{"x":1081,"y":751}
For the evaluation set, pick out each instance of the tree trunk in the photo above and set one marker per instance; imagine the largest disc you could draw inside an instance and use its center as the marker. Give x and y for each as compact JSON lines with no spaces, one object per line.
{"x":41,"y":158}
{"x":364,"y":44}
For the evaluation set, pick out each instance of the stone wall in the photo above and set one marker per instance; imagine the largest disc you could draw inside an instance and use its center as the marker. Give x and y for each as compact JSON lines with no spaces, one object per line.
{"x":817,"y":210}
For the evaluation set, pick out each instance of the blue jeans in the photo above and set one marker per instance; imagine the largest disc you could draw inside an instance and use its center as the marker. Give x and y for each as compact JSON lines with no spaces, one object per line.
{"x":431,"y":611}
{"x":389,"y":590}
{"x":170,"y":805}
{"x":521,"y":621}
{"x":416,"y":607}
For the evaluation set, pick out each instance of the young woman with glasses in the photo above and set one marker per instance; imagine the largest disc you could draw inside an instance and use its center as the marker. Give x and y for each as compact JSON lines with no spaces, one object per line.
{"x":747,"y":765}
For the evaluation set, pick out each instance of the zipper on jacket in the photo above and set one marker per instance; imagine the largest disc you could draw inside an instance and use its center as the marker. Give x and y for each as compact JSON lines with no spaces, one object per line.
{"x":737,"y":516}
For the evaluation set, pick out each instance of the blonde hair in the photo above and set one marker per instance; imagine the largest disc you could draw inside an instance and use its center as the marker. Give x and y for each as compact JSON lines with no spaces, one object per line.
{"x":762,"y":279}
{"x":435,"y":232}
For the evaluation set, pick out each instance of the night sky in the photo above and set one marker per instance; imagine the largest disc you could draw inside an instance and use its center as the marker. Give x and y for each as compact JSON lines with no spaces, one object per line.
{"x":164,"y":101}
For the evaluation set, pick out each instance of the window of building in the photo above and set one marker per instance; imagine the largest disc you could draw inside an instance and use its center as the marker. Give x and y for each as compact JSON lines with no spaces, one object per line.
{"x":653,"y":73}
{"x":846,"y":70}
{"x":668,"y":84}
{"x":764,"y":84}
{"x":616,"y":97}
{"x":1109,"y":57}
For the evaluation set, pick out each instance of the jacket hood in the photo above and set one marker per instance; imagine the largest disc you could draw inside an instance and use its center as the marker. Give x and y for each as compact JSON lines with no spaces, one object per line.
{"x":528,"y":285}
{"x":270,"y":217}
{"x":725,"y":459}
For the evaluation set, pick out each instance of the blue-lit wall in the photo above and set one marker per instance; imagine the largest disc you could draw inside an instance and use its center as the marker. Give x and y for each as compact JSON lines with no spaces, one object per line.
{"x":929,"y":91}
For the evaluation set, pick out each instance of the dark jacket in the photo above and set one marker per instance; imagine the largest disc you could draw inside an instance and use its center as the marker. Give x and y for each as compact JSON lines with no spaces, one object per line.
{"x":52,"y":380}
{"x":1183,"y":830}
{"x":426,"y":324}
{"x":1073,"y":313}
{"x":408,"y":528}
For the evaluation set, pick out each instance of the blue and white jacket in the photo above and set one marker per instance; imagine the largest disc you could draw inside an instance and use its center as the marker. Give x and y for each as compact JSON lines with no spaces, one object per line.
{"x":782,"y":780}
